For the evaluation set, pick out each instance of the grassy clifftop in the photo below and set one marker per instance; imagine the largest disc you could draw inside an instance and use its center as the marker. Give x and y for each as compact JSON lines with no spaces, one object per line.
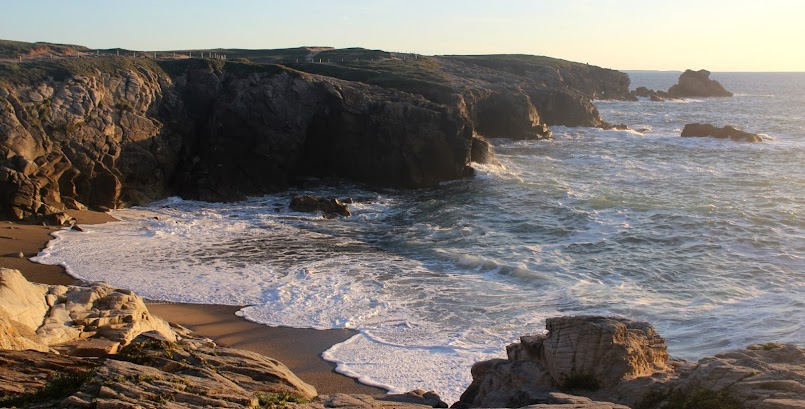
{"x":14,"y":49}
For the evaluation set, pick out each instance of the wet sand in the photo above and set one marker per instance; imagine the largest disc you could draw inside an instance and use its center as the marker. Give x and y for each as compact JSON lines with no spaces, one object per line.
{"x":299,"y":349}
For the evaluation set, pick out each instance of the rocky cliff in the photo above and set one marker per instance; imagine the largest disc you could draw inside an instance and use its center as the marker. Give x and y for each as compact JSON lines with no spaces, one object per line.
{"x":135,"y":131}
{"x":111,"y":131}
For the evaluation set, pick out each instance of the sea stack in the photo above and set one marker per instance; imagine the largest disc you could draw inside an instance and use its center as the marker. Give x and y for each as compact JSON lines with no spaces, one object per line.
{"x":697,"y":84}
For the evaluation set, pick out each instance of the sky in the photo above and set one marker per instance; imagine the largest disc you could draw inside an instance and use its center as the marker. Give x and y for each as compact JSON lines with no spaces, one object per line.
{"x":718,"y":35}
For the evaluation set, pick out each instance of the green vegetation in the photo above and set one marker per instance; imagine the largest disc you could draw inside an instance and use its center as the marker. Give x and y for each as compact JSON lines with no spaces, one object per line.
{"x":60,"y":69}
{"x":512,"y":62}
{"x":769,"y":346}
{"x":580,"y":381}
{"x":701,"y":399}
{"x":13,"y":49}
{"x":141,"y":352}
{"x":60,"y":387}
{"x":270,"y":400}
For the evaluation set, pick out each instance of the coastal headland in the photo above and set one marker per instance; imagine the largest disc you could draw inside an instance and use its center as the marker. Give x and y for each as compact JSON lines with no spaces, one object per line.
{"x":102,"y":130}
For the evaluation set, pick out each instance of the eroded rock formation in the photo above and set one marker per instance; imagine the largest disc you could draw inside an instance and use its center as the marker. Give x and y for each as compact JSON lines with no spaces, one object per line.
{"x":42,"y":317}
{"x":617,"y":360}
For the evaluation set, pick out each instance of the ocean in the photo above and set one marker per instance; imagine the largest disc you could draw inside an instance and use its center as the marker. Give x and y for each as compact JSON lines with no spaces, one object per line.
{"x":704,"y":238}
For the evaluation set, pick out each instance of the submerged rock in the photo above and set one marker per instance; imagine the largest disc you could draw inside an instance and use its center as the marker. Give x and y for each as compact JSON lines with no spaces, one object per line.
{"x":310,"y":204}
{"x":707,"y":130}
{"x":697,"y":84}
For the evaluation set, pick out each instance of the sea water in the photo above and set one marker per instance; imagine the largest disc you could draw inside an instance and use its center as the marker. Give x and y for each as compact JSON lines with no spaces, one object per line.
{"x":703,"y":238}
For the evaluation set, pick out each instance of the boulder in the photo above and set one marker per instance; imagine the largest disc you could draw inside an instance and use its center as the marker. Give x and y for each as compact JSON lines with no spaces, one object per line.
{"x":22,"y":301}
{"x":697,"y":84}
{"x":707,"y":130}
{"x":18,"y":337}
{"x":417,"y":396}
{"x":98,"y":311}
{"x":767,"y":376}
{"x":605,"y":359}
{"x":607,"y":349}
{"x":54,"y":315}
{"x":482,"y":150}
{"x":59,"y":219}
{"x":577,"y":353}
{"x":653,"y":95}
{"x":310,"y":204}
{"x":344,"y":401}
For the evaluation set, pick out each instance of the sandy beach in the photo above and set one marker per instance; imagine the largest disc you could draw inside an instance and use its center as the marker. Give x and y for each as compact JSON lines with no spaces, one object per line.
{"x":299,"y":349}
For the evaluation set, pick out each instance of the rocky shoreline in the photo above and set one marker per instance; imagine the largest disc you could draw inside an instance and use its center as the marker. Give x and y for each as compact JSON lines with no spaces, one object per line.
{"x":113,"y":132}
{"x":90,"y":345}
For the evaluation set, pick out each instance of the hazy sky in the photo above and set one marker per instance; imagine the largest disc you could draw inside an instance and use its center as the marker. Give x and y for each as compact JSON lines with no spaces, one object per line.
{"x":720,"y":35}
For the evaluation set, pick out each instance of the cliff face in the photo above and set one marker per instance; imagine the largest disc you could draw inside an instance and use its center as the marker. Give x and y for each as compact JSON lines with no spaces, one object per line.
{"x":265,"y":129}
{"x":131,"y":135}
{"x":116,"y":131}
{"x":82,"y":137}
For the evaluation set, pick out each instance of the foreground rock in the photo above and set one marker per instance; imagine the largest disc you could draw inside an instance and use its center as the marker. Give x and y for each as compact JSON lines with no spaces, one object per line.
{"x":577,"y":352}
{"x":625,"y":362}
{"x":697,"y":84}
{"x":41,"y":317}
{"x":707,"y":130}
{"x":417,"y":399}
{"x":149,"y":373}
{"x":96,"y":347}
{"x":310,"y":204}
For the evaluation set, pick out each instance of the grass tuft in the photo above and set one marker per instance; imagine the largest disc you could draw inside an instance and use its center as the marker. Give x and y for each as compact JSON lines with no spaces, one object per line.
{"x":60,"y":387}
{"x":271,"y":400}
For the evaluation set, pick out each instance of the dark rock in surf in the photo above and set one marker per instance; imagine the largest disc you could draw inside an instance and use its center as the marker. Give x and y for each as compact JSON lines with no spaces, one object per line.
{"x":481,"y":151}
{"x":653,"y":95}
{"x":707,"y":130}
{"x":310,"y":204}
{"x":697,"y":84}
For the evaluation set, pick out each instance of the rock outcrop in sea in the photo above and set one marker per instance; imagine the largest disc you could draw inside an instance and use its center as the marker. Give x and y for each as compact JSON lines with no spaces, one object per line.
{"x":697,"y":84}
{"x":691,"y":84}
{"x":727,"y":132}
{"x":109,"y":132}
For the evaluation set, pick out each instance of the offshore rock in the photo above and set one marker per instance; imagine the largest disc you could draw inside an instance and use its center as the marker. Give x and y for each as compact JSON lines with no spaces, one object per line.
{"x":707,"y":130}
{"x":310,"y":204}
{"x":697,"y":84}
